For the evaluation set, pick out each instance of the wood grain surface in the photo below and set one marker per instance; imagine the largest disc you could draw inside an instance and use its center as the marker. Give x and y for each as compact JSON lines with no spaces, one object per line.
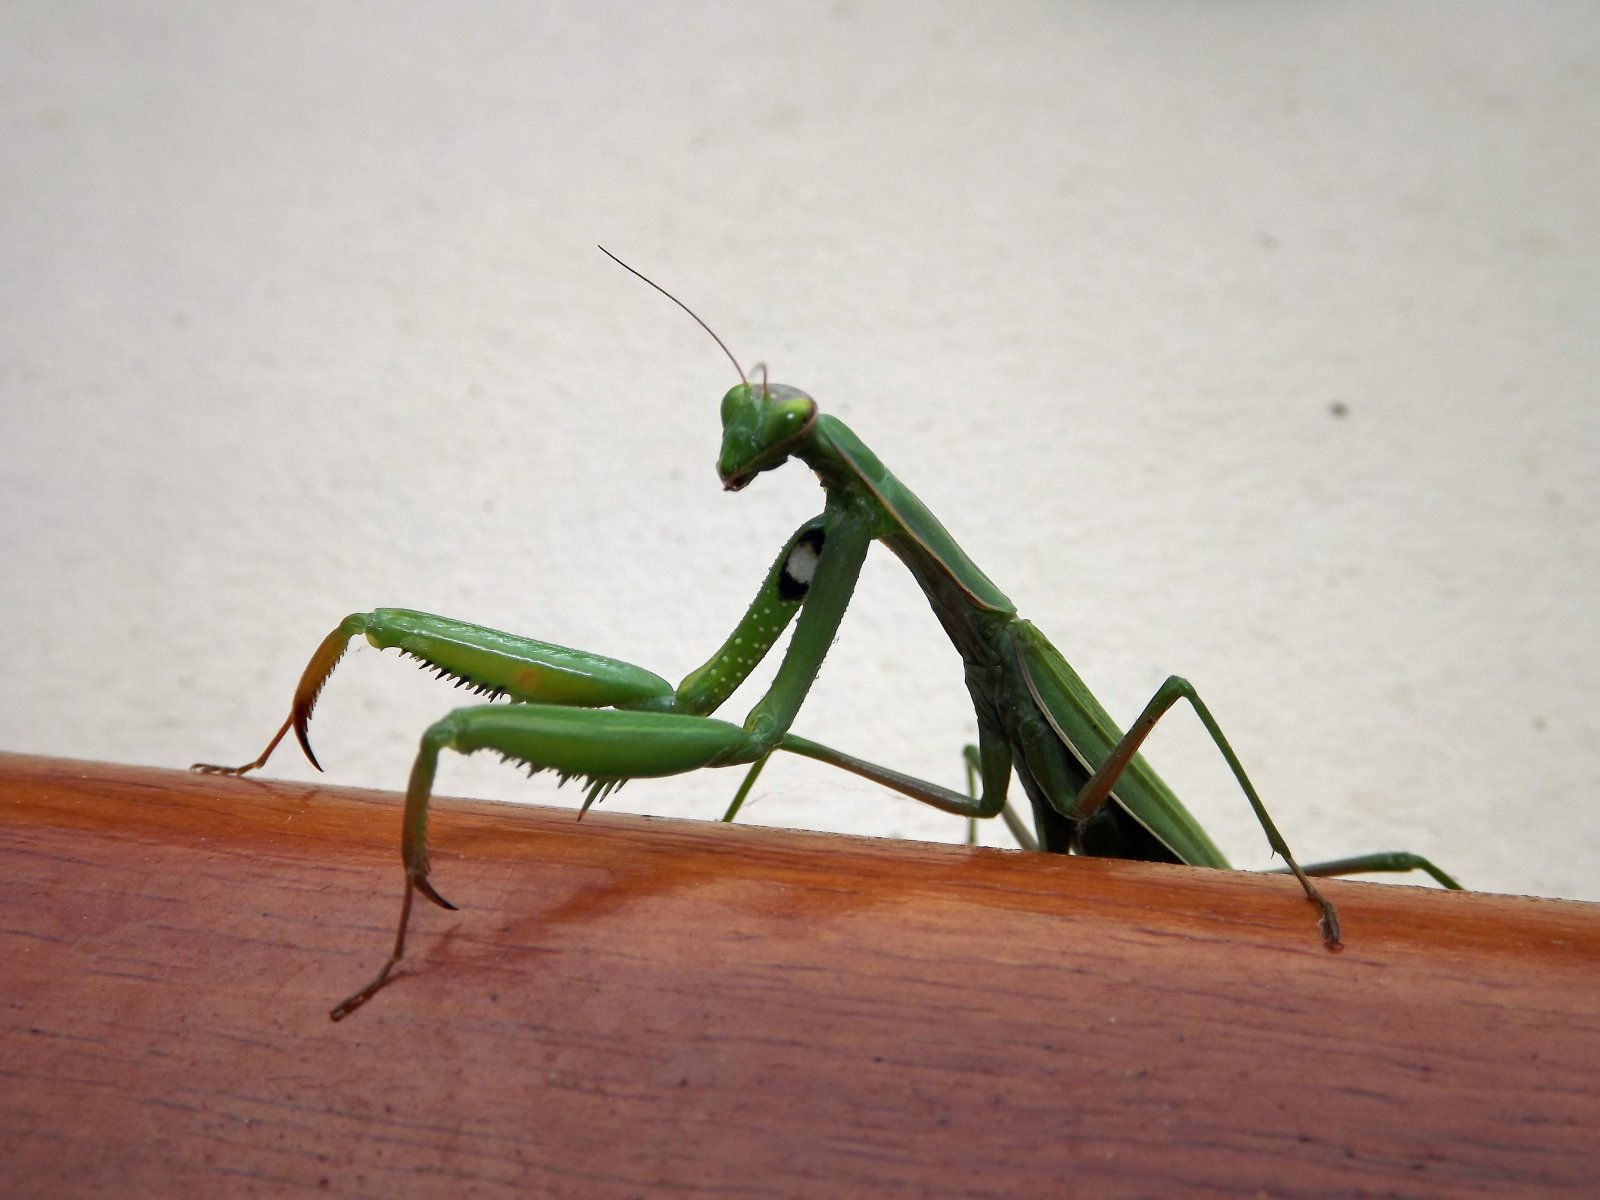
{"x":627,"y":1007}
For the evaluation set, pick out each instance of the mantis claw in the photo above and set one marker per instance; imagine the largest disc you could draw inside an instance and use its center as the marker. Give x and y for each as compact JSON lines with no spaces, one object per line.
{"x":301,"y":719}
{"x":422,"y":885}
{"x":313,"y":678}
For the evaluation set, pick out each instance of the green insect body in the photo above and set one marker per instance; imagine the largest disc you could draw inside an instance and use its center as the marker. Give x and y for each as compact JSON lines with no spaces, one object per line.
{"x":586,"y":715}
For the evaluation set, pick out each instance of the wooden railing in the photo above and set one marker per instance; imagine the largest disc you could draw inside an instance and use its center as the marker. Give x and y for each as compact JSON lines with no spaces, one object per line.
{"x":630,"y":1007}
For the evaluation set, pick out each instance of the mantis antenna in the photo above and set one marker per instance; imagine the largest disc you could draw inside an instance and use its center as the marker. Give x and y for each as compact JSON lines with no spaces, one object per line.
{"x":685,"y":308}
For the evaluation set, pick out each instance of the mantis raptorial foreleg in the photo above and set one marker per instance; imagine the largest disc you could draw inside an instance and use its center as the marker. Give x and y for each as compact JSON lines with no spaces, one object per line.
{"x":604,"y":745}
{"x":611,"y":745}
{"x":485,"y":661}
{"x":583,"y":714}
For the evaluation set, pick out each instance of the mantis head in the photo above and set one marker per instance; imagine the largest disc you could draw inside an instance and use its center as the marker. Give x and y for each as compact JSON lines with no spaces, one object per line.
{"x":762,"y":425}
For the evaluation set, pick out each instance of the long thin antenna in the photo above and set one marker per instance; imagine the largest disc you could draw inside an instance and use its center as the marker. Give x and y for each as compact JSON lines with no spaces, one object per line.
{"x":685,"y":308}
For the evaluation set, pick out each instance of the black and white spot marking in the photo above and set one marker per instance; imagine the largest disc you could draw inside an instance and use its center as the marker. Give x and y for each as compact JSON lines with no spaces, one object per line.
{"x":794,"y":581}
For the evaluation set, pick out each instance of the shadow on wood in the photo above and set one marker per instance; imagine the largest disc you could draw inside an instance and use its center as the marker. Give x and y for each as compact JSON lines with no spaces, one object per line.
{"x":633,"y":1007}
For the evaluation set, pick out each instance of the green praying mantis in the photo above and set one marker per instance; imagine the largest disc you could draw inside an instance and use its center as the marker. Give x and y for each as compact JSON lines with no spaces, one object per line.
{"x":607,"y":721}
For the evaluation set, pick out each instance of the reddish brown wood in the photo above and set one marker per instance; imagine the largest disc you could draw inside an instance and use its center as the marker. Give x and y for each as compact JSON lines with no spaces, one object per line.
{"x":633,"y":1007}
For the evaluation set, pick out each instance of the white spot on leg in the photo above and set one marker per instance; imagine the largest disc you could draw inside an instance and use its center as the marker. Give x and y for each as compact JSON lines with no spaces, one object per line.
{"x":802,"y":564}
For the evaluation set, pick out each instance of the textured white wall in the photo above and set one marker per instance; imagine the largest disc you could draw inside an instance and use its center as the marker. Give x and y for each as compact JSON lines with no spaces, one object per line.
{"x":300,"y":314}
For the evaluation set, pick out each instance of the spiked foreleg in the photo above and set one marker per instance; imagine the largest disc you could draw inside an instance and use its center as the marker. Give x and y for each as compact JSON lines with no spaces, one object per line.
{"x":605,"y":746}
{"x":483,"y":660}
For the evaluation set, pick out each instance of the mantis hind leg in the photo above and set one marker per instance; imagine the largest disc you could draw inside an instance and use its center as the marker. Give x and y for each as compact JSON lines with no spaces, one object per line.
{"x":1098,"y":789}
{"x":1397,"y":862}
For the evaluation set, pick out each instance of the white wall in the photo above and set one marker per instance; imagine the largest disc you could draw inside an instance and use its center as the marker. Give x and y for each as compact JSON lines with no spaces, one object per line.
{"x":300,"y":314}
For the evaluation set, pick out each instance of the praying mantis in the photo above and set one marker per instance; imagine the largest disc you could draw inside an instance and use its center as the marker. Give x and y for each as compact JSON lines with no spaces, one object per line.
{"x":586,"y":715}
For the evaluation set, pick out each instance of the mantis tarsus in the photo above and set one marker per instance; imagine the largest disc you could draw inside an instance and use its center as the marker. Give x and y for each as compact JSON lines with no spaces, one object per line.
{"x":582,"y":714}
